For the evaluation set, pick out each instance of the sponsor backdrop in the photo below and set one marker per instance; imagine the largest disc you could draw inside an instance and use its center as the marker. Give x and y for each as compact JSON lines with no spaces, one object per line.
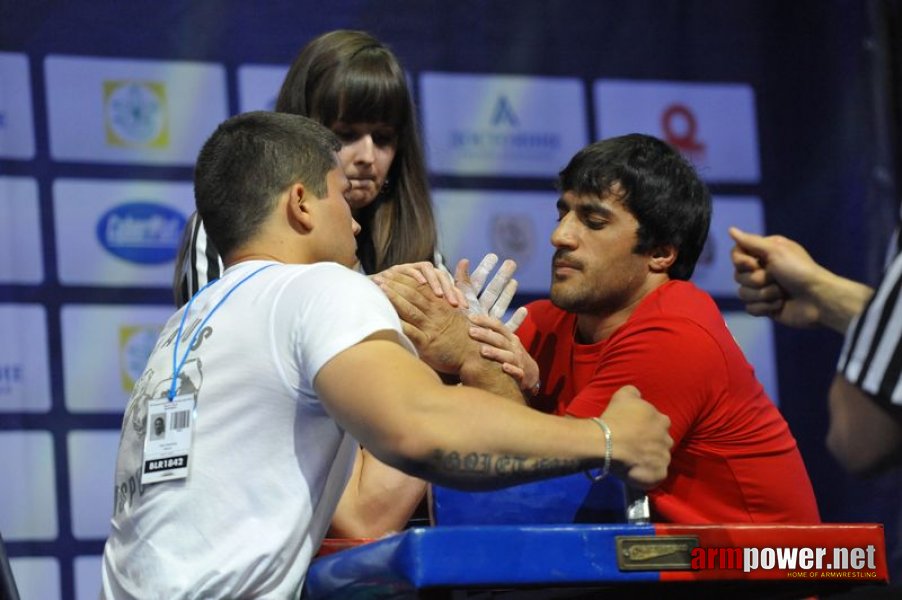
{"x":102,"y":114}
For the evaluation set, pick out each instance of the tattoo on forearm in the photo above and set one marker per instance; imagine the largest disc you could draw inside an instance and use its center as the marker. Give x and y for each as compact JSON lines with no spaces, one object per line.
{"x":477,"y":465}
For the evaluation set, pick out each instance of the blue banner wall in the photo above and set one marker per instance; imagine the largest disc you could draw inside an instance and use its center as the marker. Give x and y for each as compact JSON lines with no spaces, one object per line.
{"x":103,"y":107}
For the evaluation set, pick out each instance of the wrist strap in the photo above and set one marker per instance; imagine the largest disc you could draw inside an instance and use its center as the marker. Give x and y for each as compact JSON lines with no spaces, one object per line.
{"x":608,"y":452}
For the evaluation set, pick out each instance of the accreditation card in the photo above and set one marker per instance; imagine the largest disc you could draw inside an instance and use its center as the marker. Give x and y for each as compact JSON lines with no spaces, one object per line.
{"x":167,"y":443}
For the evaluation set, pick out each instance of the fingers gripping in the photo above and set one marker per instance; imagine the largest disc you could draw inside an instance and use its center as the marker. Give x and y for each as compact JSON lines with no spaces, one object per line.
{"x":487,"y":336}
{"x":406,"y":299}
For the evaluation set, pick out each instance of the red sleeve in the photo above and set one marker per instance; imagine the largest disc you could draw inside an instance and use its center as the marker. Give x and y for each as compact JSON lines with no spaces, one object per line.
{"x":674,"y":363}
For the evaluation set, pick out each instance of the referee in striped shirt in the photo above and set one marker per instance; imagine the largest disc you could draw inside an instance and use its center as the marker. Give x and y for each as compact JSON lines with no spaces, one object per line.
{"x":778,"y":278}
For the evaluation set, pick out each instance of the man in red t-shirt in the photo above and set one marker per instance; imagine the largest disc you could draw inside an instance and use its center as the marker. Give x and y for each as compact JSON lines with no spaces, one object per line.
{"x":632,"y":219}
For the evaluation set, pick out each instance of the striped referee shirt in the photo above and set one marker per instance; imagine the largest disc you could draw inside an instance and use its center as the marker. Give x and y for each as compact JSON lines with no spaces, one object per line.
{"x":871,"y":358}
{"x":200,"y":262}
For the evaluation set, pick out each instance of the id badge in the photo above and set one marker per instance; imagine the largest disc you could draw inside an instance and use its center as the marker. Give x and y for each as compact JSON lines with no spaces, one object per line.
{"x":167,"y":443}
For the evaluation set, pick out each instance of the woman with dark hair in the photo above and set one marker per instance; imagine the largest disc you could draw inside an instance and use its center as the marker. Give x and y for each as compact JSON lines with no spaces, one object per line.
{"x":353,"y":84}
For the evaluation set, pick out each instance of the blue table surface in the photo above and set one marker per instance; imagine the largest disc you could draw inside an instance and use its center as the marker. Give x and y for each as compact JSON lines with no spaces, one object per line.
{"x":475,"y":556}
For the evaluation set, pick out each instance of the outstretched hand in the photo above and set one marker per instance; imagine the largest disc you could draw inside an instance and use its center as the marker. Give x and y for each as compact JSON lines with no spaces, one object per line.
{"x":497,"y":295}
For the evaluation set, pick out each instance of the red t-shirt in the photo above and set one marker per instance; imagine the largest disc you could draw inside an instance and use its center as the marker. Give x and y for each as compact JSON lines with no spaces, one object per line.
{"x":734,"y":459}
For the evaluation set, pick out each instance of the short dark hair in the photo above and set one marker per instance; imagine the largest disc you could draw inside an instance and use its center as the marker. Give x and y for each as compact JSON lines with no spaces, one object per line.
{"x":249,"y":160}
{"x":351,"y":76}
{"x":659,"y":186}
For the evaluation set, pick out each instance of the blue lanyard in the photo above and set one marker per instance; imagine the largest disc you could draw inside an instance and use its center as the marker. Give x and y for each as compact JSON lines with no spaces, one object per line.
{"x":177,"y":366}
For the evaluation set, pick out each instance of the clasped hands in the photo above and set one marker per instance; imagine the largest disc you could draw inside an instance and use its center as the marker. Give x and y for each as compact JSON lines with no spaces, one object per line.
{"x":454,"y":324}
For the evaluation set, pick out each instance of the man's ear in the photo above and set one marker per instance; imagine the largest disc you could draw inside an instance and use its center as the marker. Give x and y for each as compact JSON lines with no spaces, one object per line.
{"x":299,"y":207}
{"x":662,"y":258}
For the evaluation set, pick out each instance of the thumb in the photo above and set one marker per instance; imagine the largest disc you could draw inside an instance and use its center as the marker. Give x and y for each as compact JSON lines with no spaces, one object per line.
{"x":751,"y":243}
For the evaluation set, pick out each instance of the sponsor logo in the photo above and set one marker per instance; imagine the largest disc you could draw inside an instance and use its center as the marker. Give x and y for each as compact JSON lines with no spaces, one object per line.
{"x":136,"y":342}
{"x":797,"y":562}
{"x":513,"y":236}
{"x":11,"y":375}
{"x":503,"y":134}
{"x":712,"y":125}
{"x":679,"y":127}
{"x":141,"y":232}
{"x":504,"y":113}
{"x":135,"y":114}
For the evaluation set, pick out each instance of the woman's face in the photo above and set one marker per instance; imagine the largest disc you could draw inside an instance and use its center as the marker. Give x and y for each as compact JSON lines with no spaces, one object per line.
{"x":367,"y":151}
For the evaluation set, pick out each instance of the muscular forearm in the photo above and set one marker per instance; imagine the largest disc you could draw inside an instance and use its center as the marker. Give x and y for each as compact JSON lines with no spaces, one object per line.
{"x":463,"y":447}
{"x":838,"y":299}
{"x":378,"y":500}
{"x":465,"y":437}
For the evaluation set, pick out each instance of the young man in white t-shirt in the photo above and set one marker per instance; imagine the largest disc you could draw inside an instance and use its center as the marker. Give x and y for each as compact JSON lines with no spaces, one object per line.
{"x":265,"y":376}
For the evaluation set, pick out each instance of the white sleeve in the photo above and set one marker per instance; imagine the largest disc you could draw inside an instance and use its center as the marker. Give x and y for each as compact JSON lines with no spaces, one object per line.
{"x":339,"y":308}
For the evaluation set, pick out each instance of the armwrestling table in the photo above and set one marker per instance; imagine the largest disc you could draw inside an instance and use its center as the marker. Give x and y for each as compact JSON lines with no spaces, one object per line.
{"x":541,"y":549}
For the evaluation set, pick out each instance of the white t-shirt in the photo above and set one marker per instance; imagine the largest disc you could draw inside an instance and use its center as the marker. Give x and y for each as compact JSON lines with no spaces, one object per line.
{"x":268,"y":464}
